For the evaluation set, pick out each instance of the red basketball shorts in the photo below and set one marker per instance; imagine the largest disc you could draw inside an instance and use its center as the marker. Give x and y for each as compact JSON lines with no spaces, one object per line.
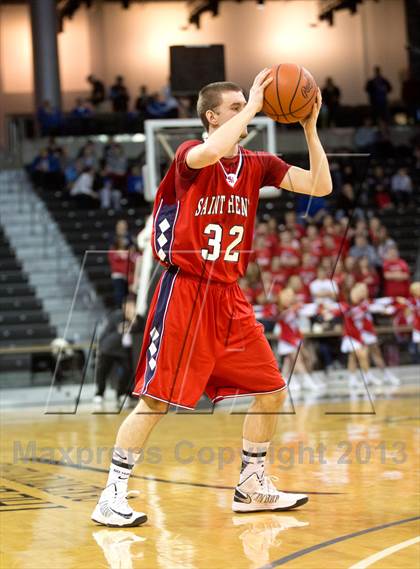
{"x":202,"y":337}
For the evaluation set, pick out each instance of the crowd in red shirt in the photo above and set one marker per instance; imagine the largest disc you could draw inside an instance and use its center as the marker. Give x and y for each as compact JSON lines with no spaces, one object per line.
{"x":323,"y":260}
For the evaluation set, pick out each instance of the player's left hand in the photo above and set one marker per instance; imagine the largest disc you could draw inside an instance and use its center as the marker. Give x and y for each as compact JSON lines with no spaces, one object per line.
{"x":309,"y":123}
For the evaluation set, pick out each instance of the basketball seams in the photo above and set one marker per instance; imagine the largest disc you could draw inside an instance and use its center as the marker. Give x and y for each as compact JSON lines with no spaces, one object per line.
{"x":266,"y":101}
{"x":277,"y":93}
{"x":307,"y":103}
{"x":294,"y":94}
{"x":300,"y":108}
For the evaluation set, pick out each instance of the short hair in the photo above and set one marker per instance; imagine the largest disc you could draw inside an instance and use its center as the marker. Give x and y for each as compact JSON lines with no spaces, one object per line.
{"x":210,"y":97}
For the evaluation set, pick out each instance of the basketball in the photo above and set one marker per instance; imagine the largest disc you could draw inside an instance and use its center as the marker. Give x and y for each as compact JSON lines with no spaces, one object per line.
{"x":290,"y":96}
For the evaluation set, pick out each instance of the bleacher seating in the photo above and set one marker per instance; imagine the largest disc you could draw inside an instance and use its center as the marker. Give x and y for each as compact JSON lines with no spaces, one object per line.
{"x":92,"y":230}
{"x":23,"y":321}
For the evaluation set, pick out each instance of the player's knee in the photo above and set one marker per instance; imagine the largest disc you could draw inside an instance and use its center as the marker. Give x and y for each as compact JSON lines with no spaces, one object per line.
{"x":271,"y":401}
{"x":154,"y":405}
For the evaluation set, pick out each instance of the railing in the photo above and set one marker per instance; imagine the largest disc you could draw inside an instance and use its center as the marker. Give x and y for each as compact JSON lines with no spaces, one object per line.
{"x":381,"y":330}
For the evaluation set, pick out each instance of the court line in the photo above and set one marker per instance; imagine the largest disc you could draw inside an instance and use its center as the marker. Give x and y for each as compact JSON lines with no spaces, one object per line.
{"x":163,"y":480}
{"x":384,"y":553}
{"x":322,"y":545}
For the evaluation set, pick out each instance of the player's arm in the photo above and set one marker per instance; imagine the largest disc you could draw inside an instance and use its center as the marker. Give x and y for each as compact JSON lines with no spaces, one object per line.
{"x":228,"y":134}
{"x":316,"y":181}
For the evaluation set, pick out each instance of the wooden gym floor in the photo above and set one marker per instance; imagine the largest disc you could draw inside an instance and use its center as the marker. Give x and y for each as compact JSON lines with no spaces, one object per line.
{"x":359,"y":465}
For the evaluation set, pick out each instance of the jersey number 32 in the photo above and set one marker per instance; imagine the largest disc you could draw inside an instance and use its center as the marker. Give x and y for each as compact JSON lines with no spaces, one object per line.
{"x":215,"y":240}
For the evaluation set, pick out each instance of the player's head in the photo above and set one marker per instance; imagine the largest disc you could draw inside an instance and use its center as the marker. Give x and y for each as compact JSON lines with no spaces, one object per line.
{"x":219,"y":102}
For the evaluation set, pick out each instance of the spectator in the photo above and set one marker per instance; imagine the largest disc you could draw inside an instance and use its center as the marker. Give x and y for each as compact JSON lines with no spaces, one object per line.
{"x":158,"y":107}
{"x":116,"y":166}
{"x":368,"y":275}
{"x":135,"y":184}
{"x":109,"y":197}
{"x":331,"y":98}
{"x":292,"y":225}
{"x":288,"y":252}
{"x":97,"y":95}
{"x":119,"y":95}
{"x":46,"y":170}
{"x":365,"y":136}
{"x":327,"y":225}
{"x":378,"y":176}
{"x":81,"y":110}
{"x":114,"y":347}
{"x":330,"y":247}
{"x":299,"y":288}
{"x":278,"y":276}
{"x":262,"y":252}
{"x":315,"y":240}
{"x":382,"y":198}
{"x":49,"y":119}
{"x":272,"y":234}
{"x":396,"y":274}
{"x":307,"y":270}
{"x":171,"y":101}
{"x":72,"y":171}
{"x":323,"y":288}
{"x":88,"y":156}
{"x":142,"y":100}
{"x":346,"y":201}
{"x":122,"y":233}
{"x":374,"y":229}
{"x":384,"y":242}
{"x":401,"y":187}
{"x":361,"y":228}
{"x":361,"y":248}
{"x":185,"y":108}
{"x":82,"y":189}
{"x":378,"y":88}
{"x":121,"y":260}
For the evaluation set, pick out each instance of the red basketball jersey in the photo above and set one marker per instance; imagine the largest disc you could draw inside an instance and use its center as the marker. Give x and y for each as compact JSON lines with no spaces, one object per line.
{"x":204,"y":219}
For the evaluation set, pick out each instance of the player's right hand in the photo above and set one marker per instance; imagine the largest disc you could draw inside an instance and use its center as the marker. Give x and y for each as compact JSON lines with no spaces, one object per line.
{"x":256,"y":94}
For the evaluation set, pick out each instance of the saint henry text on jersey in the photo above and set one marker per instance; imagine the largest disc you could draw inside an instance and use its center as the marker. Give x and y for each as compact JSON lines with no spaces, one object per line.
{"x":219,"y":204}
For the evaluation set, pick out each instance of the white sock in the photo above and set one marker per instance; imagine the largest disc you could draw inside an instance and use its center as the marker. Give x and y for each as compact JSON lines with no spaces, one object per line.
{"x":120,"y":468}
{"x":253,"y":459}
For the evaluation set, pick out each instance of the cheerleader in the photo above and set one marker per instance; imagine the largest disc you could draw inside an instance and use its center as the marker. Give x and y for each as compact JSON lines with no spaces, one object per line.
{"x":408,"y":313}
{"x":295,"y":357}
{"x":360,"y":340}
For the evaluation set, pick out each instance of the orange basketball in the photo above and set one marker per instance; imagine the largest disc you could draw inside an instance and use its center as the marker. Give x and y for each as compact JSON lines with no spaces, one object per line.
{"x":291,"y":95}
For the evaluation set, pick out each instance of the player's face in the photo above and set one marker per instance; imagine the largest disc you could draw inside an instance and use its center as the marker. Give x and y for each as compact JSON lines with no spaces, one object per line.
{"x":232,"y":103}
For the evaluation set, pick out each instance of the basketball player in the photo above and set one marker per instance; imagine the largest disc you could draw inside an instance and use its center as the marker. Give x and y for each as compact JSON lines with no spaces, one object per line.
{"x":201,"y":334}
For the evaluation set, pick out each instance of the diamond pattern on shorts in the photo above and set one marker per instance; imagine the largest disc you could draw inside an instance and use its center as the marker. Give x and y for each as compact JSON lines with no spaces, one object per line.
{"x":164,"y":225}
{"x":154,"y":334}
{"x":152,"y":349}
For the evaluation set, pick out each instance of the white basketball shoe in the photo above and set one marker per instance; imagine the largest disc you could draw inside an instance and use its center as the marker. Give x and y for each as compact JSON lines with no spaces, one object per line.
{"x":112,"y":509}
{"x":258,"y":494}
